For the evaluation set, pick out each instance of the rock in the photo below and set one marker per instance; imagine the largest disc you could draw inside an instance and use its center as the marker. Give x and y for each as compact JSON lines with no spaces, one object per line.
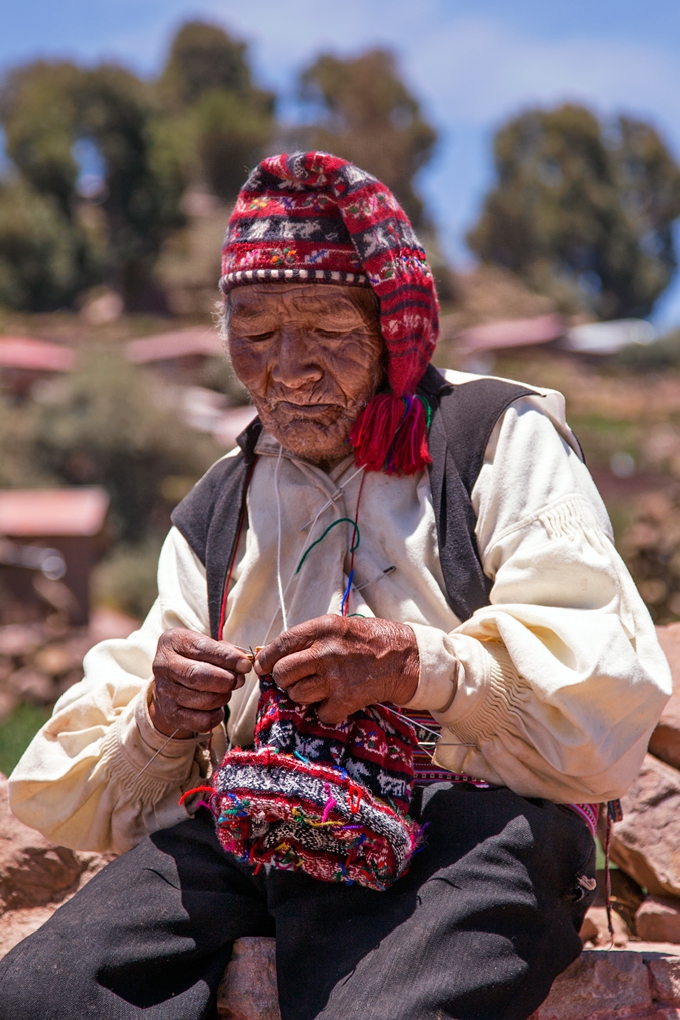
{"x":16,"y":925}
{"x":30,"y":685}
{"x":665,"y":740}
{"x":658,"y":919}
{"x":599,"y":986}
{"x":665,"y":972}
{"x":595,"y":928}
{"x":62,"y":657}
{"x":646,"y":844}
{"x":33,"y":871}
{"x":17,"y":639}
{"x":248,"y":990}
{"x":589,"y":931}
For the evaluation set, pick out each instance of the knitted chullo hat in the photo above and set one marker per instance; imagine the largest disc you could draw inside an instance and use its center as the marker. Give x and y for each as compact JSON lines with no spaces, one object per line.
{"x":327,"y":800}
{"x":314,"y":218}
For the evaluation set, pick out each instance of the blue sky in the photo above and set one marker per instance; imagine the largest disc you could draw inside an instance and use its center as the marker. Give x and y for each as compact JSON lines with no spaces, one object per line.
{"x":472,"y":63}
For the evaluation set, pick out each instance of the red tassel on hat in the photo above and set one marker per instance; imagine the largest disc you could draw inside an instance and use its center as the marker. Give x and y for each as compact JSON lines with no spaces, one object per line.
{"x":390,"y":435}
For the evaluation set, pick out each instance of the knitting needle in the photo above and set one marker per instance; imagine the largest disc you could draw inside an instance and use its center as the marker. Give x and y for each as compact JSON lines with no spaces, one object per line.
{"x":386,"y":571}
{"x":154,"y":756}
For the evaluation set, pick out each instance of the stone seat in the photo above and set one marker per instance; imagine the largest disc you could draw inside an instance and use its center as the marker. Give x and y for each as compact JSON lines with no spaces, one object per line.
{"x":640,"y":984}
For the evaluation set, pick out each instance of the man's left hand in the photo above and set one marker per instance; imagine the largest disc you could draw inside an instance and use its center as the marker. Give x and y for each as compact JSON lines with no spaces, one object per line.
{"x":343,"y":664}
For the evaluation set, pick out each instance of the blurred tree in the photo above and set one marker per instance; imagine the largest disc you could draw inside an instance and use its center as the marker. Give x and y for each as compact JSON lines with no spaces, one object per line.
{"x":104,"y":427}
{"x":144,"y":175}
{"x":44,"y":258}
{"x":367,"y":115}
{"x":203,"y":57}
{"x":18,"y":436}
{"x":207,"y":82}
{"x":581,"y":213}
{"x":47,"y":110}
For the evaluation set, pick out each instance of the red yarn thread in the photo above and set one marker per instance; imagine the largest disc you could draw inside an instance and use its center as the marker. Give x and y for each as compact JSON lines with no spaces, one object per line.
{"x":409,"y":452}
{"x":374,"y":429}
{"x":388,"y":436}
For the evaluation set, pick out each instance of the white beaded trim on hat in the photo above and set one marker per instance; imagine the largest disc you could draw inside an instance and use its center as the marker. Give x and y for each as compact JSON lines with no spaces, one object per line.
{"x":313,"y":275}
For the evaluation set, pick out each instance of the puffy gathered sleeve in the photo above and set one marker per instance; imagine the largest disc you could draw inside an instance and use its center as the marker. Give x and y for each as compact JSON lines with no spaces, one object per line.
{"x":81,"y":780}
{"x":559,"y":682}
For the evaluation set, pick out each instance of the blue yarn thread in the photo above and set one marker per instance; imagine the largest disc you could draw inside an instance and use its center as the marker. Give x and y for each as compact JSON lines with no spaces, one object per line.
{"x":345,"y":597}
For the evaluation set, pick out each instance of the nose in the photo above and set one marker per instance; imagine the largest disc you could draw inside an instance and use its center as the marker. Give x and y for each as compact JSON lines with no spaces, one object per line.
{"x":296,"y":364}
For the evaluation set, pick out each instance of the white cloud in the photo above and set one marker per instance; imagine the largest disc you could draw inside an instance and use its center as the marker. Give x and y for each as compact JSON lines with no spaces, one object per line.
{"x":477,"y":70}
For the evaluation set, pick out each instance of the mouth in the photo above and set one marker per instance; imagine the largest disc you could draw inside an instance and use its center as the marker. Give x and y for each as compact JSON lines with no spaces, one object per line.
{"x":291,"y":410}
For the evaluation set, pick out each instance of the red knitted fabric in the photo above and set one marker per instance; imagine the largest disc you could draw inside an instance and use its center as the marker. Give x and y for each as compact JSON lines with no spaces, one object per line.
{"x":328,"y":800}
{"x":314,"y":218}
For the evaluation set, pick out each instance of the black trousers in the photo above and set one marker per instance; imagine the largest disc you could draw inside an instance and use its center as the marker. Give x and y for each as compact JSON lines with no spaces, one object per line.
{"x":485,"y":919}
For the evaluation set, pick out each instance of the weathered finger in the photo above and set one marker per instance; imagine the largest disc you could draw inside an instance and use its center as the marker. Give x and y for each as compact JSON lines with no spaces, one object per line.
{"x":200,"y":647}
{"x":168,"y":694}
{"x":308,"y":691}
{"x":333,"y":712}
{"x":294,"y":640}
{"x":196,"y":722}
{"x":195,"y":674}
{"x":293,"y":668}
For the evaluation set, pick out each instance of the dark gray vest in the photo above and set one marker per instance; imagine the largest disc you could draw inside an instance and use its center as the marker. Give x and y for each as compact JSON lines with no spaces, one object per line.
{"x":463,"y":418}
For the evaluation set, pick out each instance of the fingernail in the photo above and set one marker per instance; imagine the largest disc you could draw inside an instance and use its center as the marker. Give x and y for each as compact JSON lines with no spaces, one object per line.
{"x":258,"y":668}
{"x":244,"y":665}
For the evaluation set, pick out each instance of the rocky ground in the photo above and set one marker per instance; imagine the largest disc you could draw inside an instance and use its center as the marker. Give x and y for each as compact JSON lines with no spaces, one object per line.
{"x":636,"y":978}
{"x":39,"y":661}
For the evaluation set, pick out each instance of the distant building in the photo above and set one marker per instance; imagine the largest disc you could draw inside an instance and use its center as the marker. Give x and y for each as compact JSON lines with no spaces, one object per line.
{"x":24,"y":361}
{"x":493,"y":337}
{"x":179,"y":355}
{"x":50,"y":539}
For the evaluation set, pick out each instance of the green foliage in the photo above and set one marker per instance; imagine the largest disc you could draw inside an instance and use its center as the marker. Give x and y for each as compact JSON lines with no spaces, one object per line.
{"x":662,"y":354}
{"x":231,"y":136}
{"x":144,"y":173}
{"x":203,"y":58}
{"x":106,"y":427}
{"x":38,"y":114}
{"x":44,"y":257}
{"x":47,"y":108}
{"x":18,"y":438}
{"x":17,"y":731}
{"x":208,"y":87}
{"x":582,"y":213}
{"x":369,"y":117}
{"x":126,"y":579}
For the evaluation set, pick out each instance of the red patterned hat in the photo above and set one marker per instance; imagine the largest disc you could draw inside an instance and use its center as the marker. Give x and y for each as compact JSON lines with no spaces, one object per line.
{"x":314,"y":218}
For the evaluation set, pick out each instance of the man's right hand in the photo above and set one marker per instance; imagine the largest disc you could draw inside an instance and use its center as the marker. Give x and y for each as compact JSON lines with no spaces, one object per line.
{"x":194,"y":678}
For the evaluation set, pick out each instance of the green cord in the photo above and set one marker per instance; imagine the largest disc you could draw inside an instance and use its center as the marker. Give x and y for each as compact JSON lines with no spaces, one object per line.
{"x":341,"y":520}
{"x":428,"y":409}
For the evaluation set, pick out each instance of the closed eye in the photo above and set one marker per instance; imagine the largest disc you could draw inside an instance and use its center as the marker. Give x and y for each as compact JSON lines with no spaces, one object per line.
{"x":259,"y":337}
{"x":331,"y":334}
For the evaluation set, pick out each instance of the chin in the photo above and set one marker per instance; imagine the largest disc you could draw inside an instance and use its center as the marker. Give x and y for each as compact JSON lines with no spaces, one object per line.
{"x":312,"y":440}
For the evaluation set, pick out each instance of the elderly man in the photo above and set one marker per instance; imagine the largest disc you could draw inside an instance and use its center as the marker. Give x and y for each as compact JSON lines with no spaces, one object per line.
{"x":485,"y":598}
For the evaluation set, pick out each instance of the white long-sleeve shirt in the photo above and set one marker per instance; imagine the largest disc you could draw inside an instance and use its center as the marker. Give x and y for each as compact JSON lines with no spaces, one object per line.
{"x":558,"y":683}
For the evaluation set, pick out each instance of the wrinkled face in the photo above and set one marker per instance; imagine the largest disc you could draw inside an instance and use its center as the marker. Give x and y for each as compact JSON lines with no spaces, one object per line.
{"x":311,"y":357}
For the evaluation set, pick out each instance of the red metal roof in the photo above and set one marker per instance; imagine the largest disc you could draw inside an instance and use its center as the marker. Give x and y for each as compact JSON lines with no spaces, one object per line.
{"x":36,"y":355}
{"x":493,"y":336}
{"x":179,"y":344}
{"x":31,"y":513}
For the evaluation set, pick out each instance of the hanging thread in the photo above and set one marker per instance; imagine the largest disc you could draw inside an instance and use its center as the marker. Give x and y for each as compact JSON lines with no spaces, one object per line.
{"x":340,"y":520}
{"x":344,"y":605}
{"x":279,"y":585}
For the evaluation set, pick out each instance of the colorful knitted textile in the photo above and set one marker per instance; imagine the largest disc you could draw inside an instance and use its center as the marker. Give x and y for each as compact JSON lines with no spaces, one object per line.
{"x":426,"y":773}
{"x":314,"y":218}
{"x":329,"y":800}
